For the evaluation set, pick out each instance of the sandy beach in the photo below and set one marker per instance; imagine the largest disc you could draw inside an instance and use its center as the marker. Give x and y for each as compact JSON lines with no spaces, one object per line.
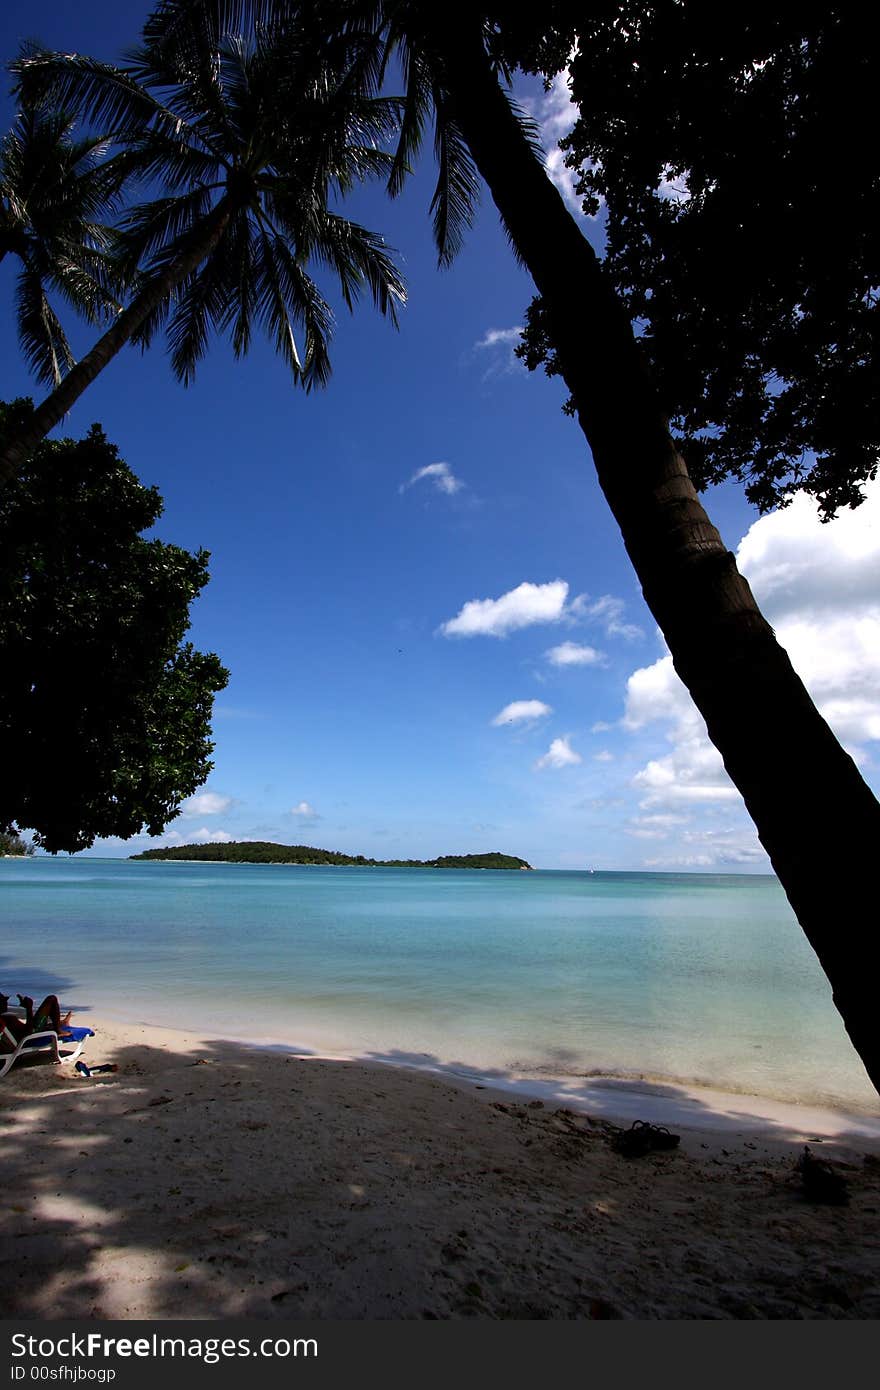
{"x":206,"y":1178}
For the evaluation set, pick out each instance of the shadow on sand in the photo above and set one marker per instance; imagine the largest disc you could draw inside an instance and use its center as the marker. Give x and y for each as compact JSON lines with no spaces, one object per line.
{"x":228,"y":1180}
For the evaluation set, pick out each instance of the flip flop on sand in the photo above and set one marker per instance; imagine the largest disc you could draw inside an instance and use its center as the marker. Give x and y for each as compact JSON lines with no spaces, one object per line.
{"x":91,"y":1071}
{"x":641,"y":1138}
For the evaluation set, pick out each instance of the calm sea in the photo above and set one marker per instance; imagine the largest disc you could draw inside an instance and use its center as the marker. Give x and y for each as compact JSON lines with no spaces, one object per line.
{"x":691,"y":978}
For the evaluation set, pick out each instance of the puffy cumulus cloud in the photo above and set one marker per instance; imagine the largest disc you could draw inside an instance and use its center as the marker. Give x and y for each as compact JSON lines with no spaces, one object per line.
{"x":798,"y":566}
{"x":555,"y":113}
{"x":440,"y":474}
{"x":559,"y":754}
{"x":693,"y":772}
{"x":528,"y":604}
{"x":691,"y":775}
{"x":819,"y":586}
{"x":206,"y":804}
{"x":304,"y":811}
{"x":519,"y":711}
{"x":523,"y":606}
{"x":655,"y":692}
{"x":573,"y":654}
{"x":210,"y":837}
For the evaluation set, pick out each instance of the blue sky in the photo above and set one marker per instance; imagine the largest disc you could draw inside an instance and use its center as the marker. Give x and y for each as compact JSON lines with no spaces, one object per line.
{"x":382,"y":700}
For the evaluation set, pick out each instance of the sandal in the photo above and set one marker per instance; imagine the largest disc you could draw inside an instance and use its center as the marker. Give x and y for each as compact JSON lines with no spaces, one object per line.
{"x":641,"y":1138}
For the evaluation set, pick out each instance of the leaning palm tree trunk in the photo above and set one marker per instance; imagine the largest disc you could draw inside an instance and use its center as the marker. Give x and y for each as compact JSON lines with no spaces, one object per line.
{"x":158,"y":289}
{"x":816,"y":817}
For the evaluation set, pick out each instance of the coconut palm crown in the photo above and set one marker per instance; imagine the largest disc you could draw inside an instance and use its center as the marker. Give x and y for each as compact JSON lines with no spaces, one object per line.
{"x":57,"y":193}
{"x":245,"y":145}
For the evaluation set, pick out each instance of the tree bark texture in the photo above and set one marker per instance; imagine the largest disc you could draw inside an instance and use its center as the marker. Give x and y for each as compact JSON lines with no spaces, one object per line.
{"x":815,"y":815}
{"x":54,"y":408}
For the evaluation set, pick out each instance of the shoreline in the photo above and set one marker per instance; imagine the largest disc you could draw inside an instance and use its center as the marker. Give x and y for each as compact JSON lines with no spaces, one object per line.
{"x":209,"y":1179}
{"x":617,"y":1098}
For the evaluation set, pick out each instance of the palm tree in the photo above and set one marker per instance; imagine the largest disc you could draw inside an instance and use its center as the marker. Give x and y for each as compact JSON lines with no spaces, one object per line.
{"x":248,"y":142}
{"x":55,"y":194}
{"x":816,"y":817}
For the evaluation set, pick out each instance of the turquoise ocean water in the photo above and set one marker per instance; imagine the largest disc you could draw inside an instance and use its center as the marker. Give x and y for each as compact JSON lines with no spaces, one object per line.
{"x":691,"y":978}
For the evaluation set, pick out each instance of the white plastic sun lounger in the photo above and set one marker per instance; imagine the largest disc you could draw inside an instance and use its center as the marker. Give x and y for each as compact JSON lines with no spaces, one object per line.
{"x":63,"y":1047}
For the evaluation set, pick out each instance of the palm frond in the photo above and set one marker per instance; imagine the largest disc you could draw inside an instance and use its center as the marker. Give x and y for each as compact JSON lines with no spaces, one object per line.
{"x":458,"y":186}
{"x":241,"y":294}
{"x":99,"y":92}
{"x":303,"y":304}
{"x":43,"y":341}
{"x":151,"y":232}
{"x":86,"y":283}
{"x":418,"y":99}
{"x":271,"y":305}
{"x":360,"y":259}
{"x":530,"y":128}
{"x":200,"y":305}
{"x":164,"y":158}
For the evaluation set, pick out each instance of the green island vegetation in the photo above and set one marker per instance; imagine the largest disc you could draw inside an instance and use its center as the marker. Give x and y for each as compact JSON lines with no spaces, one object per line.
{"x":266,"y":852}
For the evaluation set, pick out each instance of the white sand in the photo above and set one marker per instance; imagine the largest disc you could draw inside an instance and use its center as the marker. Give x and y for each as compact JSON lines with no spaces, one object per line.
{"x":206,"y":1178}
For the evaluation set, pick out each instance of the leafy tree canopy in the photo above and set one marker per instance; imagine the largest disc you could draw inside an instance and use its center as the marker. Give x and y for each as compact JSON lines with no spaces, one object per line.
{"x":13,"y":846}
{"x":104,"y":709}
{"x":743,"y":223}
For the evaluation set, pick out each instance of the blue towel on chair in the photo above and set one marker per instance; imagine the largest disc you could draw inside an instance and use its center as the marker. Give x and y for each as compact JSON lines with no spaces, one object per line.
{"x":76,"y":1034}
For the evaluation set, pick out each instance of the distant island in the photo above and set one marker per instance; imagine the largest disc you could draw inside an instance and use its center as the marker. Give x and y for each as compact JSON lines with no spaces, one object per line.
{"x":266,"y":852}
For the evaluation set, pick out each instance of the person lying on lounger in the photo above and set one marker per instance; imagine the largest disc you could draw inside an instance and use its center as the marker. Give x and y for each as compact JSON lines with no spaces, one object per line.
{"x":47,"y":1016}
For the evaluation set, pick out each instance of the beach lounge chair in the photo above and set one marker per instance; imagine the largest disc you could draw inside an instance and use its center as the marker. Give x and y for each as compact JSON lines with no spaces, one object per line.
{"x":56,"y":1047}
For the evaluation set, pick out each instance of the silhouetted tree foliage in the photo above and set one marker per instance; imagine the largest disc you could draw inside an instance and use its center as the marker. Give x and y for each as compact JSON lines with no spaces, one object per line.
{"x":104,"y":709}
{"x":250,"y":140}
{"x":11,"y":844}
{"x":743,"y":222}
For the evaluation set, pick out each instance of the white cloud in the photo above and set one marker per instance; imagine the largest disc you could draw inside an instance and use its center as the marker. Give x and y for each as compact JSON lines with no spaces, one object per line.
{"x":600,"y":727}
{"x":304,"y":811}
{"x":819,"y":586}
{"x":209,"y":837}
{"x":604,"y":756}
{"x":571,"y":654}
{"x":681,"y":861}
{"x":655,"y":692}
{"x":497,"y":346}
{"x":607,"y":611}
{"x":658,"y":826}
{"x":693,"y":772}
{"x":528,"y":604}
{"x":206,"y":804}
{"x":519,"y":710}
{"x":559,"y":754}
{"x":506,"y":336}
{"x":440,"y":474}
{"x":797,"y":565}
{"x":555,"y":114}
{"x":520,"y":607}
{"x":673,"y":186}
